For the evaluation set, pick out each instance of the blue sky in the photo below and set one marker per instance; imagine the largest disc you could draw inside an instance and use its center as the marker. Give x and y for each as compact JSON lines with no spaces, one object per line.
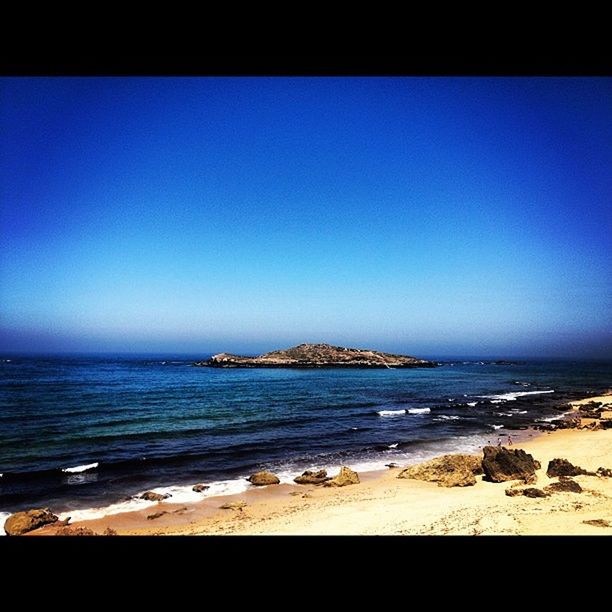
{"x":433,"y":216}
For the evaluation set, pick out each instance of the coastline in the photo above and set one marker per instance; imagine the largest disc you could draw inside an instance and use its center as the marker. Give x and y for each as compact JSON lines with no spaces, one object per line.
{"x":384,"y":505}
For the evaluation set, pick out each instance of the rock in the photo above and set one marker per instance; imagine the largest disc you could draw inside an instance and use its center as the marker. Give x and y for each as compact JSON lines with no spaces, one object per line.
{"x":589,"y":414}
{"x":606,"y":423}
{"x":345,"y":477}
{"x":309,"y":477}
{"x":156,"y":515}
{"x":604,"y":472}
{"x":569,"y":423}
{"x":391,"y":465}
{"x":562,"y":467}
{"x":527,"y":492}
{"x":152,"y":496}
{"x":200,"y":488}
{"x":234,"y":505}
{"x":501,"y":464}
{"x":567,"y":485}
{"x":75,"y":531}
{"x":22,"y":522}
{"x":598,"y":523}
{"x":260,"y":479}
{"x":317,"y":356}
{"x":109,"y":532}
{"x":447,"y":471}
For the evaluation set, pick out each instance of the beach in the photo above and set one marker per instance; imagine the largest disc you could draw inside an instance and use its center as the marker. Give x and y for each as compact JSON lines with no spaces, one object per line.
{"x":382,"y":504}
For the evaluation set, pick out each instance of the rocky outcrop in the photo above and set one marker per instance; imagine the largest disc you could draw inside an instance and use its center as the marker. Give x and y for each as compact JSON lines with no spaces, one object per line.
{"x":22,"y":522}
{"x":565,"y":485}
{"x":447,"y":471}
{"x":598,"y":523}
{"x":317,"y":356}
{"x":261,"y":479}
{"x":75,"y":531}
{"x":345,"y":477}
{"x":200,"y":488}
{"x":501,"y":464}
{"x":562,"y":467}
{"x":604,"y":472}
{"x":152,"y":496}
{"x":526,"y":492}
{"x":309,"y":477}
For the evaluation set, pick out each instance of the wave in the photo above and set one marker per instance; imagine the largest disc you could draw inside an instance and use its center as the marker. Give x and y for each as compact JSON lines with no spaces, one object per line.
{"x":3,"y":517}
{"x":472,"y":404}
{"x":418,"y":410}
{"x":80,"y":468}
{"x":510,"y":397}
{"x":393,"y":445}
{"x":390,"y":413}
{"x":496,"y":426}
{"x":447,"y":417}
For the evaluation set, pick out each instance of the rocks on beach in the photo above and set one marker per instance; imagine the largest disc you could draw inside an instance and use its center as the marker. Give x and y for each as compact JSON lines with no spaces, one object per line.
{"x":310,"y":477}
{"x":345,"y":477}
{"x":501,"y":464}
{"x":22,"y":522}
{"x":562,"y":467}
{"x":152,"y":496}
{"x":234,"y":505}
{"x":200,"y":488}
{"x":447,"y":471}
{"x":565,"y":485}
{"x":261,"y":479}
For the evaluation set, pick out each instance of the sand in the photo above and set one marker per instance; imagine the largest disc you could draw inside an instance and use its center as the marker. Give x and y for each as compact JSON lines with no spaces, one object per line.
{"x":382,"y":504}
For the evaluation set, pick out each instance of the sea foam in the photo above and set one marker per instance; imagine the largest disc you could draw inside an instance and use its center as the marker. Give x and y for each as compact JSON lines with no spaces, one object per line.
{"x":390,"y":413}
{"x":418,"y":410}
{"x":510,"y":397}
{"x":80,"y":468}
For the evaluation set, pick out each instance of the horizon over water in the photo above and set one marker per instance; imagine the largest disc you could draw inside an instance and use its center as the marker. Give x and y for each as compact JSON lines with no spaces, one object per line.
{"x":84,"y":434}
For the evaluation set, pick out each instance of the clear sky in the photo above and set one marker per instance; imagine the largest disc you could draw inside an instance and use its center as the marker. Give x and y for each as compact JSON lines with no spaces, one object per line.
{"x":432,"y":216}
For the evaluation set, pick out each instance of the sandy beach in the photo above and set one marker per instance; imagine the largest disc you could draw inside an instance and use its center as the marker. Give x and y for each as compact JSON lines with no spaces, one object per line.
{"x":382,"y":504}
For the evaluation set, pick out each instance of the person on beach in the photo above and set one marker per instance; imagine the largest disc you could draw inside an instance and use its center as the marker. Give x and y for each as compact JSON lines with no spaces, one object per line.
{"x":499,"y":441}
{"x":509,"y":440}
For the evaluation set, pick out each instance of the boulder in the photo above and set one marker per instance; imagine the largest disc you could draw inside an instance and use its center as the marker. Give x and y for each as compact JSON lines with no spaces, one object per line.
{"x":447,"y":471}
{"x":598,"y":523}
{"x":22,"y":522}
{"x":345,"y":477}
{"x":200,"y":488}
{"x":109,"y":532}
{"x":501,"y":464}
{"x":567,"y":485}
{"x":562,"y":467}
{"x":156,"y":515}
{"x":569,"y":423}
{"x":152,"y":496}
{"x":604,"y":472}
{"x":310,"y":477}
{"x":391,"y":465}
{"x":527,"y":492}
{"x":261,"y":479}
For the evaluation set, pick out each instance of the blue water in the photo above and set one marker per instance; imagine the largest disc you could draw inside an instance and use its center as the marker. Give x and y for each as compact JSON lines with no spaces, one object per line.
{"x":159,"y":421}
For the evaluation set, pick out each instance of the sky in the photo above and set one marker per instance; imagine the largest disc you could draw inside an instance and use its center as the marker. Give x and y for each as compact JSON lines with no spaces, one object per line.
{"x":430,"y":216}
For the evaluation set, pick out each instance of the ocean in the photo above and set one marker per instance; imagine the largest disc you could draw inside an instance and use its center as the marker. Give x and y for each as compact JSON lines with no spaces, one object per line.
{"x":84,"y":435}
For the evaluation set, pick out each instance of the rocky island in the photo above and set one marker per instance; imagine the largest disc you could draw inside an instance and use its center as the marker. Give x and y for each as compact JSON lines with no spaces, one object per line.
{"x":317,"y":356}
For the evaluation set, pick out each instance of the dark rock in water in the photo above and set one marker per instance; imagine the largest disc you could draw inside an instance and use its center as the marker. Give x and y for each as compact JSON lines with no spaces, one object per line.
{"x":345,"y":477}
{"x":200,"y":488}
{"x":22,"y":522}
{"x":501,"y":464}
{"x":447,"y":471}
{"x":604,"y":472}
{"x":391,"y":465}
{"x":515,"y":426}
{"x":564,"y":486}
{"x":260,"y":479}
{"x":309,"y":477}
{"x":545,"y":427}
{"x":589,"y":414}
{"x":598,"y":523}
{"x":562,"y":467}
{"x":570,"y":423}
{"x":317,"y":356}
{"x":152,"y":496}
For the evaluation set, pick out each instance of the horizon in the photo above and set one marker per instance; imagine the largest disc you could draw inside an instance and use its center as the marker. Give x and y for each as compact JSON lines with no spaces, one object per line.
{"x":425,"y":216}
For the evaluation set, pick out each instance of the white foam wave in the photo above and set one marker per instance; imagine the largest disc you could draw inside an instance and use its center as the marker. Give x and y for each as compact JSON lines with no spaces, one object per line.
{"x":472,"y":404}
{"x":393,"y":445}
{"x":390,"y":413}
{"x":447,"y":417}
{"x":418,"y":410}
{"x":3,"y":517}
{"x":510,"y":397}
{"x":80,"y":468}
{"x":496,"y":426}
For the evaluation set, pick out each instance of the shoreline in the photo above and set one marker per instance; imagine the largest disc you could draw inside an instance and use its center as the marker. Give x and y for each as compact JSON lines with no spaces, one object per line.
{"x":383,"y":504}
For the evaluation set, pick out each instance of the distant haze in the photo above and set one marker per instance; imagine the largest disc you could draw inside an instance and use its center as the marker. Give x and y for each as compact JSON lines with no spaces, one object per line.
{"x":427,"y":216}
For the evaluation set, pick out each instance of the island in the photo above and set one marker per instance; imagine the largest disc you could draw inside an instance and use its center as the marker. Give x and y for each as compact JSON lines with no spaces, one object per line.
{"x":317,"y":356}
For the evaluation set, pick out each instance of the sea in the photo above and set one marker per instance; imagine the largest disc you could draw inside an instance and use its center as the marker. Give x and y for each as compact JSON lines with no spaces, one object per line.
{"x":86,"y":434}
